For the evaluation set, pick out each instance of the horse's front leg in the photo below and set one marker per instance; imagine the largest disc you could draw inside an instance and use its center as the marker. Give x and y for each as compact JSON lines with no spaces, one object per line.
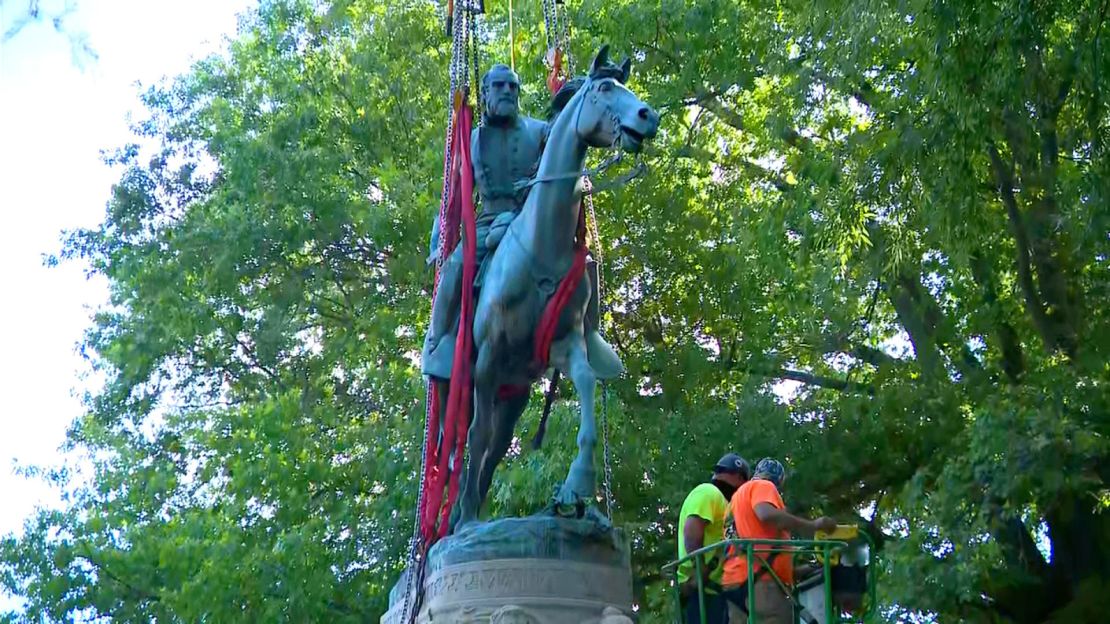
{"x":581,"y":483}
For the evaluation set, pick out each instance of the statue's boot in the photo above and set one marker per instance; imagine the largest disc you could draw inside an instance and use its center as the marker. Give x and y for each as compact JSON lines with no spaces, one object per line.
{"x":438,"y":354}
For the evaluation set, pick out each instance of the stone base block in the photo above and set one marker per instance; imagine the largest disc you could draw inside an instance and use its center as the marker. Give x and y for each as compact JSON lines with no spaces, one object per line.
{"x":539,"y":570}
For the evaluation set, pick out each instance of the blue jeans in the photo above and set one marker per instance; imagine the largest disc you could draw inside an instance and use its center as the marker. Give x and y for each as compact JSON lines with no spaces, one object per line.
{"x":716,"y":611}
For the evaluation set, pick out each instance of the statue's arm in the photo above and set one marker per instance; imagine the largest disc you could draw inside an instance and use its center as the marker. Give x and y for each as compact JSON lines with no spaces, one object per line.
{"x":545,"y":132}
{"x":433,"y":244}
{"x":475,"y":153}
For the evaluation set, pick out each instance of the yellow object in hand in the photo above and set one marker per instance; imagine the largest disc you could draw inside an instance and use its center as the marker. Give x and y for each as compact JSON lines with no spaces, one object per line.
{"x":842,"y":533}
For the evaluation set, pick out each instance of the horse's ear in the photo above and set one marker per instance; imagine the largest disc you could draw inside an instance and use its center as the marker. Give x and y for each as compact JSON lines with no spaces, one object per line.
{"x":626,"y":70}
{"x":601,"y":60}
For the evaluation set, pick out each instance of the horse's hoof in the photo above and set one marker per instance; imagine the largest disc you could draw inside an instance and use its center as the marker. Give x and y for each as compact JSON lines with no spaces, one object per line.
{"x":568,"y":504}
{"x":465,"y":525}
{"x":593,"y":514}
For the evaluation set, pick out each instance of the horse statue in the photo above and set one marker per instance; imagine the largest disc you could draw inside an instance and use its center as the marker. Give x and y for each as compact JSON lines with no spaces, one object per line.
{"x":536,"y":252}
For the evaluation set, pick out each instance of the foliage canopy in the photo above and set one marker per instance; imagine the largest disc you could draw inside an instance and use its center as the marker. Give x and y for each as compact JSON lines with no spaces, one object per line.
{"x":874,"y":242}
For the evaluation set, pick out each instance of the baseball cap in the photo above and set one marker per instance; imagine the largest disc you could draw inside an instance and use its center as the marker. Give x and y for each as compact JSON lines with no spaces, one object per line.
{"x":733,"y":464}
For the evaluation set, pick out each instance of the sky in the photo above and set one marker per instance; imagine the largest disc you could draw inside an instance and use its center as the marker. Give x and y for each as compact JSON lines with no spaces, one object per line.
{"x":57,"y":112}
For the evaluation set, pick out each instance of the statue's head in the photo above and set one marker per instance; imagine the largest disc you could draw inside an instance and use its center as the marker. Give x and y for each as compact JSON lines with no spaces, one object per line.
{"x":608,"y":112}
{"x":500,"y":93}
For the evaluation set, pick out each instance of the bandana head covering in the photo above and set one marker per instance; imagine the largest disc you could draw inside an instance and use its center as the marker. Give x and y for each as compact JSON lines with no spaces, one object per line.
{"x":770,"y":470}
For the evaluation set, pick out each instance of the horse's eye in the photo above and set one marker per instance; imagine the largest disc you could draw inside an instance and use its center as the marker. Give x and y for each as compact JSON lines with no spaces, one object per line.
{"x":605,"y":87}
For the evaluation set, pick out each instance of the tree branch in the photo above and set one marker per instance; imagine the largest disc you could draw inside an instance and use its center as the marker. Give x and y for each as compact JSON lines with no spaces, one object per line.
{"x":861,"y":352}
{"x":903,"y":293}
{"x":809,"y":379}
{"x":1013,"y":357}
{"x":711,"y":101}
{"x":138,"y":591}
{"x":1003,"y":173}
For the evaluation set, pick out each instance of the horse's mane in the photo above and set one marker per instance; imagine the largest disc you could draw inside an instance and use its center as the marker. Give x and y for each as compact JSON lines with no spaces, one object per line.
{"x":563,"y":96}
{"x":565,"y":93}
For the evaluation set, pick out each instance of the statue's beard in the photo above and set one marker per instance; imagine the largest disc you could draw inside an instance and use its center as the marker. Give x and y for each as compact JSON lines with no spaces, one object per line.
{"x":501,"y":109}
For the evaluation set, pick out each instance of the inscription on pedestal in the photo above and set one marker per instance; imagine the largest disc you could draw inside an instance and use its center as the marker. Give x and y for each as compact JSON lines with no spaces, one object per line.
{"x":527,"y":578}
{"x":554,"y":591}
{"x":534,"y":570}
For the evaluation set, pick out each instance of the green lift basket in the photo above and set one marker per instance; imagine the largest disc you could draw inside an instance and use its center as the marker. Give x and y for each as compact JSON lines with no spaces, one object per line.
{"x":842,"y":591}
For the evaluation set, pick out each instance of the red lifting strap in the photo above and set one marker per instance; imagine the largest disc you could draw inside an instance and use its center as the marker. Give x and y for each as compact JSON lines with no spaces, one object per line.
{"x":545,"y":332}
{"x":438,"y":475}
{"x":555,"y":79}
{"x":549,"y":320}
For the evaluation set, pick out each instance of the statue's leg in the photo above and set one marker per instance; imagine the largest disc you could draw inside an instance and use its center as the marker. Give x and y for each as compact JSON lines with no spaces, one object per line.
{"x":581,"y":481}
{"x":436,"y":361}
{"x":505,"y":416}
{"x":448,"y":292}
{"x":470,"y":500}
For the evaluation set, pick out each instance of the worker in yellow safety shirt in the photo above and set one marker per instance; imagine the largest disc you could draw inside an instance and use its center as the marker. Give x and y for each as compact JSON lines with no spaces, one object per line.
{"x":701,"y":523}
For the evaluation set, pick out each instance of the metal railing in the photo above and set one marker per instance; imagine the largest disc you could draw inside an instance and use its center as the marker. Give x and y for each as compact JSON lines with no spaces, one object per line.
{"x":754,"y":551}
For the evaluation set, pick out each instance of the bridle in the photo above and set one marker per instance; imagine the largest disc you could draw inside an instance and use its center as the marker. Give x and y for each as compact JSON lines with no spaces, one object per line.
{"x":589,"y":90}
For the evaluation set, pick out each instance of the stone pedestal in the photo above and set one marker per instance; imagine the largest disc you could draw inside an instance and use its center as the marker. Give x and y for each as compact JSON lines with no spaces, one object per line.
{"x":536,"y":570}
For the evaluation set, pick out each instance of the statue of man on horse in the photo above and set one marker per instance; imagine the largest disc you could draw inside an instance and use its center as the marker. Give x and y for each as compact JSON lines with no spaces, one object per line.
{"x":505,"y":150}
{"x":518,"y":279}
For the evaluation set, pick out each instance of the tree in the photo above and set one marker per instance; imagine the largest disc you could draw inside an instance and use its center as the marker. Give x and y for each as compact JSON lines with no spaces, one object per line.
{"x":80,"y":48}
{"x":898,"y":210}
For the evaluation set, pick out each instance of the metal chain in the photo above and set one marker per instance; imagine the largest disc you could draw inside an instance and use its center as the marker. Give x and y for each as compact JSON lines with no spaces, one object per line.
{"x":608,"y":474}
{"x":595,"y":238}
{"x":457,"y":78}
{"x":548,"y":25}
{"x":591,"y":228}
{"x":414,"y":543}
{"x":556,"y":33}
{"x":563,"y":35}
{"x":475,"y":85}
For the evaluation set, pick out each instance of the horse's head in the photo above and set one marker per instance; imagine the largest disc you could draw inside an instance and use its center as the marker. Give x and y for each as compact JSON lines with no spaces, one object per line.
{"x":609,"y":112}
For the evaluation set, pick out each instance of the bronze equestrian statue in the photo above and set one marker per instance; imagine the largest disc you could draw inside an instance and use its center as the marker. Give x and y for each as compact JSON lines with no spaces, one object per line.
{"x":532,"y":247}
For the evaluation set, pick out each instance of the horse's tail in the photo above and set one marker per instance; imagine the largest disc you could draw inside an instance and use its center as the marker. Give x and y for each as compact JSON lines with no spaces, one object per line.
{"x":537,"y":440}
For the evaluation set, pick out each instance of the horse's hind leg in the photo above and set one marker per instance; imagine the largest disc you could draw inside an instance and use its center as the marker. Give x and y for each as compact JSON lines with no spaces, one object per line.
{"x":478,"y":439}
{"x":443,"y":388}
{"x":581,"y":482}
{"x":506,"y":413}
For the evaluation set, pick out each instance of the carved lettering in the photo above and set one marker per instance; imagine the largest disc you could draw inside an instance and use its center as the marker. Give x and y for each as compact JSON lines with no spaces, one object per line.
{"x":524,"y":580}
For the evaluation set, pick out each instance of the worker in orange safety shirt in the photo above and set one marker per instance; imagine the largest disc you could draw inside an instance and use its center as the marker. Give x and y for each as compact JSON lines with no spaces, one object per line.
{"x":758,"y":512}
